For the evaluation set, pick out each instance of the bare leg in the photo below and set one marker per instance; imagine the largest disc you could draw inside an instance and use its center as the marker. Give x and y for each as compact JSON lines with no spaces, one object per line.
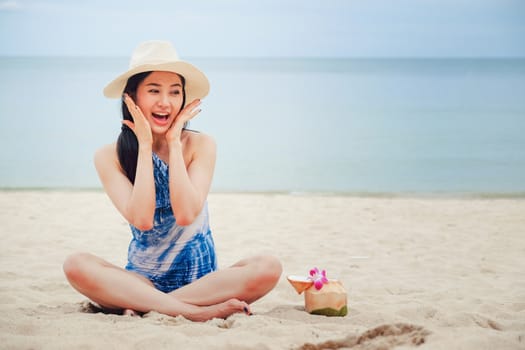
{"x":248,"y":280}
{"x":115,"y":288}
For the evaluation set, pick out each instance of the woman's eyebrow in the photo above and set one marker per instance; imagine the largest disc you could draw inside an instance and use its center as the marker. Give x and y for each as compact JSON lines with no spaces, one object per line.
{"x":158,"y":85}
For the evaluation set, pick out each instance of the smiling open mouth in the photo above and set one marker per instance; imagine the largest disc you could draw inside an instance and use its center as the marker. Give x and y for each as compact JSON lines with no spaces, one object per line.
{"x":160,"y":117}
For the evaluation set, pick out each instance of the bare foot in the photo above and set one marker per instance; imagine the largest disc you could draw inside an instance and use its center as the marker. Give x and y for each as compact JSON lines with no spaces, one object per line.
{"x":221,"y":310}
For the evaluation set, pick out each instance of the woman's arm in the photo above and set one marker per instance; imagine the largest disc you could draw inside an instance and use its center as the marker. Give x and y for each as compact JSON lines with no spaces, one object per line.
{"x":189,"y":185}
{"x":136,"y":202}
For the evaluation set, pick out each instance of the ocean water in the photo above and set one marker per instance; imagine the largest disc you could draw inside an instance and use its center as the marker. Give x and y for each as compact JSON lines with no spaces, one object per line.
{"x":292,"y":125}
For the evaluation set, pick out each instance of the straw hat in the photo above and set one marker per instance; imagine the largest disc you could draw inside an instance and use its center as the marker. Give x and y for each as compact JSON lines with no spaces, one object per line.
{"x":159,"y":55}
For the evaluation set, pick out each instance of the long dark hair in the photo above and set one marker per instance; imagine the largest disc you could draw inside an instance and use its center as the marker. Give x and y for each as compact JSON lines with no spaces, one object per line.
{"x":127,"y":144}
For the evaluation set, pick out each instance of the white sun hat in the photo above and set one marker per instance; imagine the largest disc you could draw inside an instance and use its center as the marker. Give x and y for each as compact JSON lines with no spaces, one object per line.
{"x":157,"y":55}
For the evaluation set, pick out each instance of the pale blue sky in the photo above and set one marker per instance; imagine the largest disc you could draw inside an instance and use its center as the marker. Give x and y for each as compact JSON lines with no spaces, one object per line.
{"x":298,"y":28}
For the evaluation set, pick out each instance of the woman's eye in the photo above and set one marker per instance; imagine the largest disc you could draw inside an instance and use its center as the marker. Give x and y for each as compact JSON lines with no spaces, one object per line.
{"x":153,"y":91}
{"x":176,"y":92}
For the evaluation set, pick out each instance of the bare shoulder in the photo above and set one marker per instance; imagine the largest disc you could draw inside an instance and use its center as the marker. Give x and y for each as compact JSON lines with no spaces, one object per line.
{"x":106,"y":155}
{"x":199,"y":142}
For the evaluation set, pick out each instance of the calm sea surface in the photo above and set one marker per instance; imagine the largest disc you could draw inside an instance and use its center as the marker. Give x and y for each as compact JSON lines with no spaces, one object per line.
{"x":293,"y":125}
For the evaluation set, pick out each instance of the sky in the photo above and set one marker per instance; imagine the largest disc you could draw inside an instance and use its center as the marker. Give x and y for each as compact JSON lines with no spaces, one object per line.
{"x":268,"y":28}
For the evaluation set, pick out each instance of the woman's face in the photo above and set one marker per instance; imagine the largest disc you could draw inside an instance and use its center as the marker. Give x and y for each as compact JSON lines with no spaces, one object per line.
{"x":160,"y":98}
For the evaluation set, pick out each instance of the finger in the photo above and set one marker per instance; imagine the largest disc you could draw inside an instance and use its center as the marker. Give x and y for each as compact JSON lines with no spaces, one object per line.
{"x":128,"y":100}
{"x":136,"y":112}
{"x":184,"y":116}
{"x":132,"y":107}
{"x":192,"y":110}
{"x":193,"y":105}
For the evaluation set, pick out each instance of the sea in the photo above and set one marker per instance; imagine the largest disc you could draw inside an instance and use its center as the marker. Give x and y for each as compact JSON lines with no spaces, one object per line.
{"x":292,"y":125}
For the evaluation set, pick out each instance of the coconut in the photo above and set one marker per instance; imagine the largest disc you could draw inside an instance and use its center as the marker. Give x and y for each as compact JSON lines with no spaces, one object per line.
{"x":300,"y":283}
{"x":330,"y":300}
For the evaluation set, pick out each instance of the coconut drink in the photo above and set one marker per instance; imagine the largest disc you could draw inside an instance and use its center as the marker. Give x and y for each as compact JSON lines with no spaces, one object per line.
{"x":322,"y":296}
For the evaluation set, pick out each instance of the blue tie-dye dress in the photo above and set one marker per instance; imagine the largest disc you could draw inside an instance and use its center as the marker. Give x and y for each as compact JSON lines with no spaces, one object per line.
{"x":170,"y":255}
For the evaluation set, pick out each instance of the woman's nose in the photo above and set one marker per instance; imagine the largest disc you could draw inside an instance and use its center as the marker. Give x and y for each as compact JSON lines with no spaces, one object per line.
{"x":163,"y":100}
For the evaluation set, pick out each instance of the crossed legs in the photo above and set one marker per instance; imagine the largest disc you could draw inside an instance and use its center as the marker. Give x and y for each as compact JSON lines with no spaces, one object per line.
{"x":218,"y":294}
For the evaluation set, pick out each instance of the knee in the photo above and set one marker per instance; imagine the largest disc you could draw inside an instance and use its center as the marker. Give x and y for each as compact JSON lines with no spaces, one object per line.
{"x":76,"y":267}
{"x":268,"y":271}
{"x":273,"y":267}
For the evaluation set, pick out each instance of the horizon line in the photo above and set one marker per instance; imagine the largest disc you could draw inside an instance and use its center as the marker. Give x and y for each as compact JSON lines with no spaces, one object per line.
{"x":520,"y":194}
{"x":264,"y":57}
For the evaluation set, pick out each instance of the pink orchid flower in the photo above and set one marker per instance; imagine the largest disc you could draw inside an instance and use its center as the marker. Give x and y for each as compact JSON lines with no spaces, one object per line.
{"x":318,"y":277}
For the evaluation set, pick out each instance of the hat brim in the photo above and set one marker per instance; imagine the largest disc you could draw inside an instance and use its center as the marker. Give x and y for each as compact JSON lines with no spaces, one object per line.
{"x":196,"y":86}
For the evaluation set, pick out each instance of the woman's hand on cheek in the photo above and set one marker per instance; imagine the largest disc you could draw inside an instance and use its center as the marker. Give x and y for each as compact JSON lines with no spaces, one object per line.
{"x":185,"y":115}
{"x":140,"y":126}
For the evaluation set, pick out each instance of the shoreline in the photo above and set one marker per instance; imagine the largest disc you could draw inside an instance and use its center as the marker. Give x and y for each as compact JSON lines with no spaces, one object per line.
{"x":357,"y":194}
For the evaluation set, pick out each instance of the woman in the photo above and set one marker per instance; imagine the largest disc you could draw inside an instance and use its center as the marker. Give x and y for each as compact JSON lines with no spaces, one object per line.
{"x":158,"y":175}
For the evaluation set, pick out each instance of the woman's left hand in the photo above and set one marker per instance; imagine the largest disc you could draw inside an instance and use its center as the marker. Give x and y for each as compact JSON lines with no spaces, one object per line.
{"x":186,"y":114}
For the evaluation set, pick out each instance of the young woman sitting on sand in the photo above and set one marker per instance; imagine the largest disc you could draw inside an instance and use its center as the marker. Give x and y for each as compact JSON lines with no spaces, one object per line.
{"x":158,"y":175}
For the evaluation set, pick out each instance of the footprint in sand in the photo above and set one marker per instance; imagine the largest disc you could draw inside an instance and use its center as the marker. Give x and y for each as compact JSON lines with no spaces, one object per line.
{"x":382,"y":337}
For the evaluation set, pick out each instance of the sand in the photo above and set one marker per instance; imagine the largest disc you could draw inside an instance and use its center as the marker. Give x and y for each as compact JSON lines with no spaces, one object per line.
{"x":431,"y":272}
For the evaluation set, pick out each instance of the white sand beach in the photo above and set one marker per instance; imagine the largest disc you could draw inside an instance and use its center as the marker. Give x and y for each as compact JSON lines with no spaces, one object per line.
{"x":445,"y":273}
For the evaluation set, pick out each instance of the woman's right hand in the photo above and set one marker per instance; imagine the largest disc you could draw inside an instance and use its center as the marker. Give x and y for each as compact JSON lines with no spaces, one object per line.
{"x":140,"y":125}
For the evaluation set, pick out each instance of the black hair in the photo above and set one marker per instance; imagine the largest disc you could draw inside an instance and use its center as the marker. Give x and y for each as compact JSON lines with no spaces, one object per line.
{"x":127,"y":143}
